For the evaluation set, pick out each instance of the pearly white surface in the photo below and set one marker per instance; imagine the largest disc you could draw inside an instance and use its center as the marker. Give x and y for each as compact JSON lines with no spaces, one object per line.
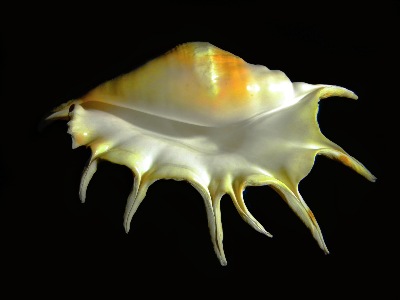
{"x":274,"y":142}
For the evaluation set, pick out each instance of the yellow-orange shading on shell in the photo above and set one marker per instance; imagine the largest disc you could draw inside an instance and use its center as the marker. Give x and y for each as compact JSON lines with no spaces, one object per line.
{"x":216,"y":79}
{"x":204,"y":115}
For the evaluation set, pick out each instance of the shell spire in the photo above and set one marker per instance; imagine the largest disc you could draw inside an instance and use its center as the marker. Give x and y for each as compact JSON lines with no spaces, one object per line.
{"x":204,"y":115}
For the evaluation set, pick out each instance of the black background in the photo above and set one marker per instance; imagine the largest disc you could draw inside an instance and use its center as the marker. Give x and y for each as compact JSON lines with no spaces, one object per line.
{"x":54,"y":52}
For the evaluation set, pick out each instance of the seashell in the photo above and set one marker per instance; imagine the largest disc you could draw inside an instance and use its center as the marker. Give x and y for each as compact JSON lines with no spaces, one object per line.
{"x":203,"y":115}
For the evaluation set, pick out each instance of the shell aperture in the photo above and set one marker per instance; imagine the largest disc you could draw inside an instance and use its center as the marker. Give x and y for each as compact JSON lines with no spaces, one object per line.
{"x":203,"y":115}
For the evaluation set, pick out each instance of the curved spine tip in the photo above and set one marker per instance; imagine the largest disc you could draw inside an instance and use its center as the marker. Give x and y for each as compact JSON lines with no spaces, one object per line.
{"x":87,"y":175}
{"x":348,"y":161}
{"x":336,"y":91}
{"x":135,"y":198}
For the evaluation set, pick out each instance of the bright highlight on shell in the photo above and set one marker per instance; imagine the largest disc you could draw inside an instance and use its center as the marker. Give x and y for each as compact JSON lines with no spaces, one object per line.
{"x":203,"y":115}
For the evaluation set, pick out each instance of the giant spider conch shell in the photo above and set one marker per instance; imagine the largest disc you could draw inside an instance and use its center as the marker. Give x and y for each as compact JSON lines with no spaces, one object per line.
{"x":203,"y":115}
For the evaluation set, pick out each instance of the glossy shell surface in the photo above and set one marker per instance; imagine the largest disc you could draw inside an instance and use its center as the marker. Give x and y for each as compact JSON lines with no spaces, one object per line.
{"x":203,"y":115}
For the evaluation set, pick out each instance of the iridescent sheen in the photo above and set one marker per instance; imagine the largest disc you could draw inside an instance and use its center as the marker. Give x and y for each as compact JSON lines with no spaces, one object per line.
{"x":204,"y":115}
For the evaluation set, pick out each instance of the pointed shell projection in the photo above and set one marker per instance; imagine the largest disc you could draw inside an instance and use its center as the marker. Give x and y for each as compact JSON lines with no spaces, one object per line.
{"x":203,"y":115}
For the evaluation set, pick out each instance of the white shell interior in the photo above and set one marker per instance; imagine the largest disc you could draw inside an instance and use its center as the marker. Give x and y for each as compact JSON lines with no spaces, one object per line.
{"x":276,"y":147}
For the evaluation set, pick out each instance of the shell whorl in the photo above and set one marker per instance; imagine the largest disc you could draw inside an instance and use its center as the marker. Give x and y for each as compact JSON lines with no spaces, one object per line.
{"x":257,"y":128}
{"x":200,"y":84}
